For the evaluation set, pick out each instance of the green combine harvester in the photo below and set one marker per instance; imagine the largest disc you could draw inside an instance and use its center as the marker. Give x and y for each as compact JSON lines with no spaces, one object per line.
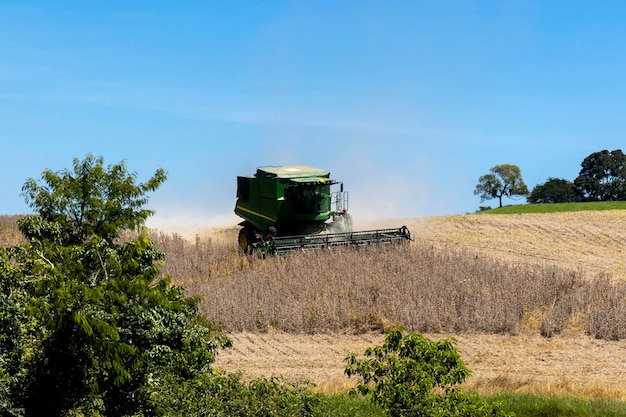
{"x":287,"y":208}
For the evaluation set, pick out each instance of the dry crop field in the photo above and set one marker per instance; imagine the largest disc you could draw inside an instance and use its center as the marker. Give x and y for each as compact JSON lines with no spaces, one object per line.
{"x":537,"y":303}
{"x":590,"y":241}
{"x":548,"y":255}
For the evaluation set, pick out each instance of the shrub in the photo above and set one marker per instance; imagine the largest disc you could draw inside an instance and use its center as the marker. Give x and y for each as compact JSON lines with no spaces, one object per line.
{"x":228,"y":394}
{"x":411,"y":375}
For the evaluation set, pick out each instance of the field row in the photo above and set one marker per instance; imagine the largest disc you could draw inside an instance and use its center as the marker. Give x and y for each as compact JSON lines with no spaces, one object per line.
{"x":592,"y":241}
{"x":566,"y":365}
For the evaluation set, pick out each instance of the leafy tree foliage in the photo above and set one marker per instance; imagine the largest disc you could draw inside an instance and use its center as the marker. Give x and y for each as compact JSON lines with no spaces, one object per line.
{"x":554,"y":190}
{"x":602,"y":177}
{"x":228,"y":394}
{"x":413,"y":376}
{"x":92,"y":199}
{"x":88,"y":324}
{"x":503,"y":180}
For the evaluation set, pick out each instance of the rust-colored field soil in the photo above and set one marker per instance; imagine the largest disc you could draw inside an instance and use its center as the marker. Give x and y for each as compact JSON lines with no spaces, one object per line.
{"x":572,"y":363}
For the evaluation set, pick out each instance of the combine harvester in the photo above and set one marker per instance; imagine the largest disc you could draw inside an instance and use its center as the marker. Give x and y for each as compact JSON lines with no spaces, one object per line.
{"x":287,"y":208}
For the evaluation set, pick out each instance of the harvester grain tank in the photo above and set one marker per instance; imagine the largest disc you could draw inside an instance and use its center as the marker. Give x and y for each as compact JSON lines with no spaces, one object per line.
{"x":296,"y":207}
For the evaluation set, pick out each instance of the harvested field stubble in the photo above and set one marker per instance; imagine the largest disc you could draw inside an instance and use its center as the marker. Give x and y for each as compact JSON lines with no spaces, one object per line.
{"x":593,"y":242}
{"x":573,"y":365}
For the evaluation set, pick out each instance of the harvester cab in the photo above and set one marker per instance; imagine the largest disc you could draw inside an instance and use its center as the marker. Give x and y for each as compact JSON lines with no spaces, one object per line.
{"x":295,"y":207}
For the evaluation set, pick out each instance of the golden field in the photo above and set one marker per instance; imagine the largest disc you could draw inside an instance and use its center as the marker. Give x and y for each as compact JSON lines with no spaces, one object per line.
{"x":590,"y":241}
{"x":586,"y":245}
{"x":537,"y":302}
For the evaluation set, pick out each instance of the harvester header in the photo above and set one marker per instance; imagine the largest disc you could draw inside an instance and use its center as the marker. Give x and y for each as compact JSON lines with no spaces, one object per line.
{"x":293,"y":207}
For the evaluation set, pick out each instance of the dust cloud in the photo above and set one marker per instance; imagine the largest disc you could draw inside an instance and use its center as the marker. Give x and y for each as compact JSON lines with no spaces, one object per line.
{"x":189,"y":222}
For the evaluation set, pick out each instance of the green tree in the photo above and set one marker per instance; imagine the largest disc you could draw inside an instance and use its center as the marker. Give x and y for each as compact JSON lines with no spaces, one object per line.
{"x":503,"y":180}
{"x":96,"y":327}
{"x":554,"y":190}
{"x":92,"y":199}
{"x":602,"y":177}
{"x":410,"y":375}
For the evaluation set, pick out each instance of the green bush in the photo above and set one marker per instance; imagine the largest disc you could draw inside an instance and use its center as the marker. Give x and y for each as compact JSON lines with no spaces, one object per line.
{"x":87,"y":323}
{"x":413,"y":376}
{"x":228,"y":394}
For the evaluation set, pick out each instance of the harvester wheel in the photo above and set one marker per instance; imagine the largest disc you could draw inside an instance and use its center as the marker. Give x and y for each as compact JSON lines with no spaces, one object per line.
{"x":269,"y":234}
{"x":268,"y":238}
{"x":245,"y":241}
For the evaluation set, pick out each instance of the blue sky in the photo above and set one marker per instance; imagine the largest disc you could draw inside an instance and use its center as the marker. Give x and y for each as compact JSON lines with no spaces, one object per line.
{"x":406,"y":102}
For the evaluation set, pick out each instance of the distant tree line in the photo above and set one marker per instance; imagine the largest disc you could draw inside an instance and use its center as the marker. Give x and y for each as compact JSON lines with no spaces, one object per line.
{"x":601,"y":178}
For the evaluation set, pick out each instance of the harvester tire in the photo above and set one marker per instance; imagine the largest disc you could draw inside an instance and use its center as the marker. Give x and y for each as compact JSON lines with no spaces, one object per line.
{"x":268,"y":240}
{"x":245,"y":241}
{"x":269,"y":234}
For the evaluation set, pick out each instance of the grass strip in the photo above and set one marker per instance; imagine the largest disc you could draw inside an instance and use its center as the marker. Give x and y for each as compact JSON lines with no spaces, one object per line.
{"x":556,"y":207}
{"x":558,"y":406}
